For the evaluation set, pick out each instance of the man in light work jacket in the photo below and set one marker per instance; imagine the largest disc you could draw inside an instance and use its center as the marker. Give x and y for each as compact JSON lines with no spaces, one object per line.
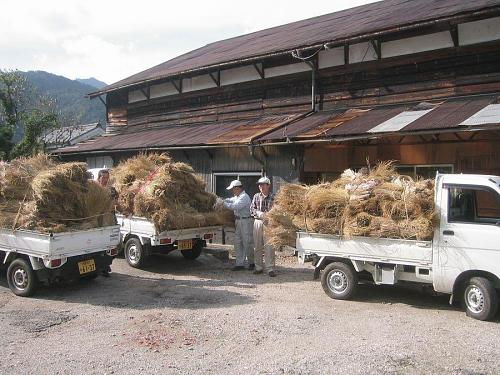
{"x":261,"y":204}
{"x":243,"y":237}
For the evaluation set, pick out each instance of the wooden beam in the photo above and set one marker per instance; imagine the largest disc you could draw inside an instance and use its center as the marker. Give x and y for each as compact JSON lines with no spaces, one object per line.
{"x":259,"y":70}
{"x":145,"y":92}
{"x":215,"y":77}
{"x":102,"y":100}
{"x":178,"y":87}
{"x":377,"y":46}
{"x":346,"y":54}
{"x":454,"y":35}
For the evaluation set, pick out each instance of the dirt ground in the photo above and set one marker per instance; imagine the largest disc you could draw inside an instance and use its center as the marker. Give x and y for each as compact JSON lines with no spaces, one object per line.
{"x":198,"y":317}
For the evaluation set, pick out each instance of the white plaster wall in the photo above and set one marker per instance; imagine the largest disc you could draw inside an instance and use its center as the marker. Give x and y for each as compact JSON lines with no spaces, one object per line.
{"x":237,"y":75}
{"x":136,"y":96}
{"x":361,"y":52}
{"x":286,"y":69}
{"x":479,"y":31}
{"x":163,"y":89}
{"x":197,"y":83}
{"x":417,"y":44}
{"x":331,"y":57}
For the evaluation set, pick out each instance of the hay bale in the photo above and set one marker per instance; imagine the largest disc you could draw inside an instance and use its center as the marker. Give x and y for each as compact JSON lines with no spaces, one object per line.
{"x":169,"y":193}
{"x":54,"y":197}
{"x":373,"y":202}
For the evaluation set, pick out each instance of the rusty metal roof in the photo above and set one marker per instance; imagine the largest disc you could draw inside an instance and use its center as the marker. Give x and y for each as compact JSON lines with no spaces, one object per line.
{"x":336,"y":125}
{"x":227,"y":132}
{"x":450,"y":113}
{"x":379,"y":17}
{"x":357,"y":122}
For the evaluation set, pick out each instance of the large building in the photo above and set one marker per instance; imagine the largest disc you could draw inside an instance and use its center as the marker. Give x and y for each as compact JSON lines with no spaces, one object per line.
{"x":417,"y":82}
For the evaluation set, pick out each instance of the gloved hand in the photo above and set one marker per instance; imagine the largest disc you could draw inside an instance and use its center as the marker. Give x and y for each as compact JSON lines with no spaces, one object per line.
{"x":259,"y":215}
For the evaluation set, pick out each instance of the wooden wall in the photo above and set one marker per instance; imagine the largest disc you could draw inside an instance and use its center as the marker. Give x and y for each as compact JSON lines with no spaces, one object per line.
{"x":420,"y":77}
{"x":478,"y":155}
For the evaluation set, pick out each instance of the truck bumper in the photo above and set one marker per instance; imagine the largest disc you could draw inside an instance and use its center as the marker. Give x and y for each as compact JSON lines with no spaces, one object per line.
{"x":70,"y":270}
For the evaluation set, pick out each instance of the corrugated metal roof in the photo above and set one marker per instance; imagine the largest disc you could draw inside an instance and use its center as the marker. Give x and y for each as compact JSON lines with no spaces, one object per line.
{"x":66,"y":134}
{"x":229,"y":132}
{"x":339,"y":26}
{"x":399,"y":121}
{"x":450,"y":113}
{"x":337,"y":124}
{"x":488,"y":115}
{"x":367,"y":121}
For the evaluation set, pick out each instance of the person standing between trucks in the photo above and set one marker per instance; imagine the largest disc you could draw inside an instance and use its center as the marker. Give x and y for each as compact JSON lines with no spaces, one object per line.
{"x":243,"y":237}
{"x":103,"y":180}
{"x":261,"y":204}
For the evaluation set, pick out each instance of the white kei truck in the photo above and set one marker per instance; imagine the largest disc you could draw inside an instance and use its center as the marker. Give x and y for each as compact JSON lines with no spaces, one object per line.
{"x":463,"y":258}
{"x":140,"y":239}
{"x":33,"y":257}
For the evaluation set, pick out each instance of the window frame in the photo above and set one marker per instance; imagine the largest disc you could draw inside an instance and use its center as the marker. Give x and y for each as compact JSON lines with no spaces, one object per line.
{"x":235,"y":174}
{"x":470,"y":187}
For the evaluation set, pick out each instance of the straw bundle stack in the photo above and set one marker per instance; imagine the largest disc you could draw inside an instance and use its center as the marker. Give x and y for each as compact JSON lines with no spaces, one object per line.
{"x":373,"y":202}
{"x":38,"y":194}
{"x":166,"y":192}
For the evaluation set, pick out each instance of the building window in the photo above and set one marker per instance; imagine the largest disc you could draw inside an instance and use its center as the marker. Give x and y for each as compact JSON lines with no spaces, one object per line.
{"x":221,"y":181}
{"x":473,"y":205}
{"x":424,"y":171}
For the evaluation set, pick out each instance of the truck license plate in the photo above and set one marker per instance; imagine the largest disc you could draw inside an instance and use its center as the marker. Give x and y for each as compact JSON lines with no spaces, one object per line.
{"x":185,"y":244}
{"x":86,"y":266}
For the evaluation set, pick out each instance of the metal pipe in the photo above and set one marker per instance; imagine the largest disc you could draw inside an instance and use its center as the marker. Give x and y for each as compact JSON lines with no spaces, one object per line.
{"x":326,"y":44}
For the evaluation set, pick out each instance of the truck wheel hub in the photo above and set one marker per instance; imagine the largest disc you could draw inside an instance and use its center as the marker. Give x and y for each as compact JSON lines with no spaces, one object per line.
{"x":337,"y":281}
{"x":474,"y":299}
{"x":20,"y":278}
{"x":133,"y":253}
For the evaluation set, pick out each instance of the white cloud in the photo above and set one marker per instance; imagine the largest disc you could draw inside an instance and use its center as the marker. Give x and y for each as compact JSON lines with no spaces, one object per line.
{"x":111,"y":40}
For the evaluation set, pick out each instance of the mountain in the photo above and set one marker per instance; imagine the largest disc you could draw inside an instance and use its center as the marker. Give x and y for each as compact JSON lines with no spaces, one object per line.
{"x":69,"y":95}
{"x":94,"y":82}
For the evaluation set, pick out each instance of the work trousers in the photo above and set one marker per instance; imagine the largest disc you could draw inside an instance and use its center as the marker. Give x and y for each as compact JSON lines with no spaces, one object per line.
{"x":261,"y":246}
{"x":243,"y":241}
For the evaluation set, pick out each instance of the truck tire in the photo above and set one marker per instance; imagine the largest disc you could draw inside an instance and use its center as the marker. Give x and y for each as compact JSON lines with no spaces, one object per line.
{"x":480,"y":298}
{"x":339,"y":280}
{"x":194,"y":253}
{"x":21,"y":278}
{"x":135,"y":253}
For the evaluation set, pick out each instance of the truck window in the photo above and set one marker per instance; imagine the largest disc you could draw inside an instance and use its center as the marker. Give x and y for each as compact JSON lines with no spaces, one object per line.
{"x":470,"y":205}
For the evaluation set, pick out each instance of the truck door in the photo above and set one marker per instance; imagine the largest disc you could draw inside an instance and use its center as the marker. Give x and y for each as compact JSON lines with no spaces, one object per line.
{"x":469,"y":235}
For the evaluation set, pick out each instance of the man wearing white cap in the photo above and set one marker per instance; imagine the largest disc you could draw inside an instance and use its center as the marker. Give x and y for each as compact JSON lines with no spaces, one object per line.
{"x":243,"y":238}
{"x":261,"y":204}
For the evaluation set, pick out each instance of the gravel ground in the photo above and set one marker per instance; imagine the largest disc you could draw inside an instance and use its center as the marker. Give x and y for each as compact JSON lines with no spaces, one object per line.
{"x":198,"y":317}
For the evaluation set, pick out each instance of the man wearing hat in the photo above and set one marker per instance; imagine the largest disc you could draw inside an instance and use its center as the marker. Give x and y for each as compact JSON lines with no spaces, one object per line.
{"x":243,"y":238}
{"x":261,"y":204}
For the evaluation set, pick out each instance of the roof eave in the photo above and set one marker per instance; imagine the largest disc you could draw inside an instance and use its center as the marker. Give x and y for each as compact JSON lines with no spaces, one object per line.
{"x":331,"y":43}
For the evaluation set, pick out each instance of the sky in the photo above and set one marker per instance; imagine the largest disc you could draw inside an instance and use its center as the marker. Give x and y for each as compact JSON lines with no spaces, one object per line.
{"x":111,"y":40}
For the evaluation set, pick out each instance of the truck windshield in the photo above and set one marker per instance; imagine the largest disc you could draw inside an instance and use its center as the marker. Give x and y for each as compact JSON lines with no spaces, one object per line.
{"x":473,"y":205}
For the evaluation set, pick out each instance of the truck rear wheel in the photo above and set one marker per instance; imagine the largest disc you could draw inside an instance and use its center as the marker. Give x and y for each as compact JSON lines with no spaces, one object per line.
{"x":21,"y":278}
{"x":135,"y":253}
{"x":194,"y":253}
{"x":480,"y":298}
{"x":339,"y":280}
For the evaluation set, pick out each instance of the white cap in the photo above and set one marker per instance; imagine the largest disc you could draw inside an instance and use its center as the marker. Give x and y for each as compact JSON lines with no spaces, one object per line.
{"x":264,"y":180}
{"x":233,"y":184}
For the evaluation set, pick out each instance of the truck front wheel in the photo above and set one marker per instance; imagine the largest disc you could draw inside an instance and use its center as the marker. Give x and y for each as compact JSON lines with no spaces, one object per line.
{"x":21,"y":278}
{"x":339,"y":280}
{"x":480,"y":298}
{"x":194,"y":253}
{"x":135,"y":253}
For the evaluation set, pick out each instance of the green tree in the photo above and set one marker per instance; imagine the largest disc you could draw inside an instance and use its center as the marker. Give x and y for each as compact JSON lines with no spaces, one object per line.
{"x":22,"y":110}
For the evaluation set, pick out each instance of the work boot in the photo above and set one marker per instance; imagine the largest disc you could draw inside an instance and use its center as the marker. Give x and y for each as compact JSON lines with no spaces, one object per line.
{"x":272,"y":274}
{"x":237,"y":268}
{"x":251,"y":266}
